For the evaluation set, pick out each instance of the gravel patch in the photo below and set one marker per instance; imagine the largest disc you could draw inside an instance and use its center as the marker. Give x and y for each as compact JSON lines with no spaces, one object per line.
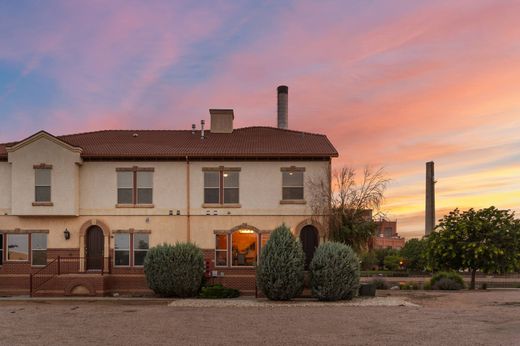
{"x":252,"y":302}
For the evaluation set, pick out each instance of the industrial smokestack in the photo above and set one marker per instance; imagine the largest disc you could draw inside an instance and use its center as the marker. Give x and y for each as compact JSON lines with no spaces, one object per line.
{"x":283,"y":95}
{"x":430,"y":199}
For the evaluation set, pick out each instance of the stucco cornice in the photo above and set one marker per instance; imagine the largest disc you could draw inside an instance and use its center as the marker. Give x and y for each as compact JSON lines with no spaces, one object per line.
{"x":39,"y":135}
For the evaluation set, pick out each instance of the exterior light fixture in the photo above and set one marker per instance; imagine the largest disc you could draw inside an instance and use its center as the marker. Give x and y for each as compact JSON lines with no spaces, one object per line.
{"x":225,"y":175}
{"x":246,"y":231}
{"x":66,"y":234}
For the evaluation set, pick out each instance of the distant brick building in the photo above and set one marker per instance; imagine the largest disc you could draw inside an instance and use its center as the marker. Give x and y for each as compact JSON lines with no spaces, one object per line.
{"x":387,"y":236}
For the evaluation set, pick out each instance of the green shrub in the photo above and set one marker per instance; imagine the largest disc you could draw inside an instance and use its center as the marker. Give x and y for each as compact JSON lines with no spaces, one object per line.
{"x":218,"y":292}
{"x":280,"y":272}
{"x":175,"y":270}
{"x":409,"y":286}
{"x":334,"y":272}
{"x":392,"y":262}
{"x":446,"y":284}
{"x":380,"y":284}
{"x":450,"y":281}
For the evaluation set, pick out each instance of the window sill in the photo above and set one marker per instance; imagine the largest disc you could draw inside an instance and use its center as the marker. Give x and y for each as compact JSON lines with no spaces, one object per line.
{"x":42,"y":204}
{"x":135,"y":206}
{"x":293,"y":201}
{"x":217,"y":205}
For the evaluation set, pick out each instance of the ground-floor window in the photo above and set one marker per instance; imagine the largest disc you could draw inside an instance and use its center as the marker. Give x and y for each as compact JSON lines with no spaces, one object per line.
{"x":240,"y":248}
{"x":244,"y":246}
{"x":221,"y":252}
{"x":141,"y":246}
{"x":130,"y":246}
{"x":18,"y":247}
{"x":39,"y":249}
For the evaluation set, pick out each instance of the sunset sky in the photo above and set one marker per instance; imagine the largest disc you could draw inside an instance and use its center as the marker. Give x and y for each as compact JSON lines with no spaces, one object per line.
{"x":392,"y":83}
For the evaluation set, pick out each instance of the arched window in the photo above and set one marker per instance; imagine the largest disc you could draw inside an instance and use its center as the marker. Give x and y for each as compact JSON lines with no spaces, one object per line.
{"x":244,"y":248}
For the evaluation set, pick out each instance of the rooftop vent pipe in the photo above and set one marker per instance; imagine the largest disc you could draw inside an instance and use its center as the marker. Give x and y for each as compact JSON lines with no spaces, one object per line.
{"x":202,"y":122}
{"x":283,"y":95}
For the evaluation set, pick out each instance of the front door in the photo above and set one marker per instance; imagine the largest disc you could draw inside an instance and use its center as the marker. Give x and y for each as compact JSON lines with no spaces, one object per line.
{"x":94,"y":249}
{"x":310,"y":240}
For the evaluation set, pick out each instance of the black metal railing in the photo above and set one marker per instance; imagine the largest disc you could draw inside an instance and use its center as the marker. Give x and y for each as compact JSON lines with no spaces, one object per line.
{"x":69,"y":265}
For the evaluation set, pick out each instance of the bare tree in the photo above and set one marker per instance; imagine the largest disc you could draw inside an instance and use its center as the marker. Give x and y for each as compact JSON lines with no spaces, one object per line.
{"x":347,"y":203}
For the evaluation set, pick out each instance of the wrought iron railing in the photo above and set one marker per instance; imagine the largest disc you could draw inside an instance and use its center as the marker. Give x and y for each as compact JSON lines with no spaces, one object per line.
{"x":69,"y":265}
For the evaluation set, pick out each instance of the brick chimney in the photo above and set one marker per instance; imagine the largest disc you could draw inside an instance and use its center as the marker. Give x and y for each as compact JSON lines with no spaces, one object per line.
{"x":221,"y":120}
{"x":283,"y":96}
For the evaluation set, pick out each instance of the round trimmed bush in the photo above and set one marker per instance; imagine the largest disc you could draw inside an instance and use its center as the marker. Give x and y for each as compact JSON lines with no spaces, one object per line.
{"x":280,"y":272}
{"x":175,"y":270}
{"x":447,"y":281}
{"x":334,"y":272}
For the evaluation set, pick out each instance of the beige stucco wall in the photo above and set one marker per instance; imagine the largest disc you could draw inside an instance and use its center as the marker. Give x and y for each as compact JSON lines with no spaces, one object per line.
{"x":5,"y":187}
{"x":64,"y":178}
{"x":98,"y":188}
{"x":169,"y":229}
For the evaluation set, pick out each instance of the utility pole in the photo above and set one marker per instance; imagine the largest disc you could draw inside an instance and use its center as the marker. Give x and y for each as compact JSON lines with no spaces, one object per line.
{"x":430,"y":199}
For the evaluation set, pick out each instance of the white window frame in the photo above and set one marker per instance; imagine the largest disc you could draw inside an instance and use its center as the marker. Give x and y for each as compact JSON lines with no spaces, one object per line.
{"x":28,"y":248}
{"x":129,"y":250}
{"x":32,"y":249}
{"x":36,"y":170}
{"x":226,"y":250}
{"x":134,"y":250}
{"x":302,"y":172}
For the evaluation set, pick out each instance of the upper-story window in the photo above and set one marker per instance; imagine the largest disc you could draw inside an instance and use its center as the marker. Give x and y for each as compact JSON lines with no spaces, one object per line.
{"x":221,"y":186}
{"x":292,"y":184}
{"x":135,"y":186}
{"x":42,"y":183}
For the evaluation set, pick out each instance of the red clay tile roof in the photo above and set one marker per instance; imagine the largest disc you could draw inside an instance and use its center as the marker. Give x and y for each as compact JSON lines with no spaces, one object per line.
{"x":261,"y":142}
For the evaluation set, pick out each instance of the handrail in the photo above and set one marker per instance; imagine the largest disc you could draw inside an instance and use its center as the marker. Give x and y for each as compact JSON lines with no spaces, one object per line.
{"x":67,"y":265}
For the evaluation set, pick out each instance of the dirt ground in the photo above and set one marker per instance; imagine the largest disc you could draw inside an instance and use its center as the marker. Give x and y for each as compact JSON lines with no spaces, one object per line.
{"x":458,"y":318}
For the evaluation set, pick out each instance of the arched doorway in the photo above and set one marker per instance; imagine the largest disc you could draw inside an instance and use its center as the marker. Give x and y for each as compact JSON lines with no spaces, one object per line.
{"x":94,"y":248}
{"x":310,"y":239}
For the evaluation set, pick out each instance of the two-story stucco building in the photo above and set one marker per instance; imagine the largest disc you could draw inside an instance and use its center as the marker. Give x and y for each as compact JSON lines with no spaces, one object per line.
{"x":79,"y":212}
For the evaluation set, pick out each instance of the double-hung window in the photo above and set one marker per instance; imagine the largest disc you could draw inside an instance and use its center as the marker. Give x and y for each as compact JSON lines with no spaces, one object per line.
{"x":39,"y":249}
{"x":221,"y":250}
{"x":122,"y":249}
{"x":130,"y":249}
{"x":292,"y":184}
{"x":141,"y":246}
{"x":42,"y":184}
{"x":135,"y":186}
{"x":221,"y":186}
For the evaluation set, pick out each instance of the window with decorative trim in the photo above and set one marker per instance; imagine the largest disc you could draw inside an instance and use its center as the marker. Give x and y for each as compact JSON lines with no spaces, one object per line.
{"x":135,"y":186}
{"x":42,"y":184}
{"x":17,"y":246}
{"x":130,"y":249}
{"x":221,"y":250}
{"x":293,"y":184}
{"x":38,"y":249}
{"x":221,"y":185}
{"x":244,"y":248}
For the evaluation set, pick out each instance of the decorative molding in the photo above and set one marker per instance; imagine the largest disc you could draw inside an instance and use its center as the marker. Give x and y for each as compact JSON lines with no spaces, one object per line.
{"x":131,"y":231}
{"x":42,"y":204}
{"x":135,"y":169}
{"x":293,"y":201}
{"x":218,"y":205}
{"x":42,"y":166}
{"x":39,"y":135}
{"x":135,"y":205}
{"x":292,"y":169}
{"x":221,"y":168}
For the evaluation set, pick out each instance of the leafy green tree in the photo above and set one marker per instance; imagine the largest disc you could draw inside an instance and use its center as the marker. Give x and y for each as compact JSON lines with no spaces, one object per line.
{"x":392,"y":262}
{"x":382,"y":253}
{"x":487,"y":240}
{"x":368,"y":260}
{"x":413,"y":254}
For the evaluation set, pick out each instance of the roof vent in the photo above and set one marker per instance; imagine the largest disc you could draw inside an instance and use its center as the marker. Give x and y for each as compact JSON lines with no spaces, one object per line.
{"x":193,"y":127}
{"x":135,"y":135}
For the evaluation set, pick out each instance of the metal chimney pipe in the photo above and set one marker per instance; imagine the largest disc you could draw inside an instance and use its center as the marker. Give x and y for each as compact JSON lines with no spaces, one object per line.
{"x":430,"y":198}
{"x":193,"y":127}
{"x":283,"y":96}
{"x":202,"y":122}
